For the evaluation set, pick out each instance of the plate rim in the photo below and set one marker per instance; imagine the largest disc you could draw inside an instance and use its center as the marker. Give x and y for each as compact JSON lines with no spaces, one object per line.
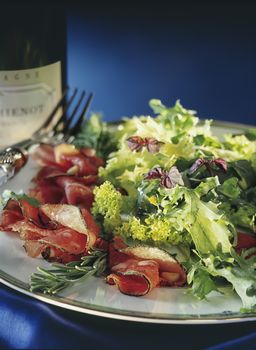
{"x":123,"y":315}
{"x":78,"y":306}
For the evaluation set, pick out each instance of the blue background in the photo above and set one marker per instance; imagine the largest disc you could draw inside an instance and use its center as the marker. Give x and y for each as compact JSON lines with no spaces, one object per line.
{"x":202,"y":53}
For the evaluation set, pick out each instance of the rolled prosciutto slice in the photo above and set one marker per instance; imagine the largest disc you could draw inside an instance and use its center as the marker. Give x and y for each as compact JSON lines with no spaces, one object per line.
{"x":76,"y":192}
{"x":72,"y":217}
{"x":16,"y":210}
{"x":62,"y":237}
{"x":66,"y":191}
{"x":48,"y":193}
{"x":135,"y":277}
{"x":10,"y":215}
{"x":68,"y":175}
{"x":170,"y":271}
{"x":55,"y":231}
{"x":67,"y":157}
{"x":137,"y":270}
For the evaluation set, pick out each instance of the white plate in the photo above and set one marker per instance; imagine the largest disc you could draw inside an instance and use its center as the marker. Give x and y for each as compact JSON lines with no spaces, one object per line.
{"x":162,"y":305}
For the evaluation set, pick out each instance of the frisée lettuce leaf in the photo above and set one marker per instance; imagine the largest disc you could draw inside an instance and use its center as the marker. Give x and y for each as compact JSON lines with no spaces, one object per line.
{"x":181,"y":188}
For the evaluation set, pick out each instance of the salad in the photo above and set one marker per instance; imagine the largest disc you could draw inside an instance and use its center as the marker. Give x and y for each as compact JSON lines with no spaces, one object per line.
{"x":152,"y":201}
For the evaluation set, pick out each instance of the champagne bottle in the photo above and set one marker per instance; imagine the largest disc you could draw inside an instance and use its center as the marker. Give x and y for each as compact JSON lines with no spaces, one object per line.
{"x":32,"y":66}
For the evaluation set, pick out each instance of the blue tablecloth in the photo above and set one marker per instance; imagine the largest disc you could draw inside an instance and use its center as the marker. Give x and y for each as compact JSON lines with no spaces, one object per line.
{"x":26,"y":323}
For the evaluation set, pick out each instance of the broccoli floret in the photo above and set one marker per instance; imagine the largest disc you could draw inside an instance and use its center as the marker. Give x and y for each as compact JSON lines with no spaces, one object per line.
{"x":107,"y":203}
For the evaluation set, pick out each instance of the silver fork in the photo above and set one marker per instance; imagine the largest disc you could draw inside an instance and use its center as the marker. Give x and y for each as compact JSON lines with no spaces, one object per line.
{"x":56,"y":129}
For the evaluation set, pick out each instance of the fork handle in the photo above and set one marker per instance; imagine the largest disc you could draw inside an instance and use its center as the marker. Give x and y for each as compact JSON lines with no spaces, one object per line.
{"x":11,"y":160}
{"x":24,"y":144}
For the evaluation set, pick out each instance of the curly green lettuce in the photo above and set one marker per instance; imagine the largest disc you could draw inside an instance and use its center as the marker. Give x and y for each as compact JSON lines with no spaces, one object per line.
{"x":196,"y":219}
{"x":181,"y":134}
{"x":107,"y":204}
{"x":154,"y":229}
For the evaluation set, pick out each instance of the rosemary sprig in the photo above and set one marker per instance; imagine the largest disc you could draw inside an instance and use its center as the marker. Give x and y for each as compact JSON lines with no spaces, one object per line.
{"x":64,"y":275}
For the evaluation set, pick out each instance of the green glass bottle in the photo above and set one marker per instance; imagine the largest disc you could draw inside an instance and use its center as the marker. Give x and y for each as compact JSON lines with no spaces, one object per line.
{"x":32,"y":66}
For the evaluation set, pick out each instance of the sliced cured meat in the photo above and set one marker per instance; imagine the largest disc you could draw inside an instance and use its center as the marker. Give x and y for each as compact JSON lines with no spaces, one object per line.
{"x":37,"y":249}
{"x":58,"y":229}
{"x":171,"y":272}
{"x":28,"y":231}
{"x":47,"y":172}
{"x":101,"y":243}
{"x":91,"y":153}
{"x":135,"y":277}
{"x":66,"y":156}
{"x":136,"y":270}
{"x":67,"y":176}
{"x":78,"y":194}
{"x":44,"y":155}
{"x":29,"y":211}
{"x":65,"y":190}
{"x":88,"y":152}
{"x":245,"y":241}
{"x":63,"y":227}
{"x":115,"y":256}
{"x":65,"y":215}
{"x":10,"y":215}
{"x":8,"y":218}
{"x":90,"y":222}
{"x":16,"y":210}
{"x":34,"y":249}
{"x":132,"y":276}
{"x":48,"y":193}
{"x":62,"y":237}
{"x":63,"y":180}
{"x":54,"y":254}
{"x":72,"y":217}
{"x":85,"y":165}
{"x":64,"y":149}
{"x":67,"y":239}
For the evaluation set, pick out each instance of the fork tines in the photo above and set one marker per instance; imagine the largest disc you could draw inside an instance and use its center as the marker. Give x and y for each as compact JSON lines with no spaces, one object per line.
{"x":71,"y":118}
{"x":73,"y":113}
{"x":83,"y":105}
{"x":63,"y":122}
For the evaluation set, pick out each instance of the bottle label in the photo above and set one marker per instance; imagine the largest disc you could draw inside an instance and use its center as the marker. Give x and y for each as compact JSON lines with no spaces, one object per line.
{"x":26,"y":100}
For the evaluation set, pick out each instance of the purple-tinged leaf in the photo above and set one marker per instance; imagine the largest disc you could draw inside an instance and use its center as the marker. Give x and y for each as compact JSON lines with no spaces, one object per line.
{"x":168,"y":179}
{"x":155,"y":173}
{"x":153,"y":145}
{"x":175,"y":176}
{"x":135,"y":143}
{"x":209,"y":164}
{"x":196,"y":165}
{"x":221,"y":163}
